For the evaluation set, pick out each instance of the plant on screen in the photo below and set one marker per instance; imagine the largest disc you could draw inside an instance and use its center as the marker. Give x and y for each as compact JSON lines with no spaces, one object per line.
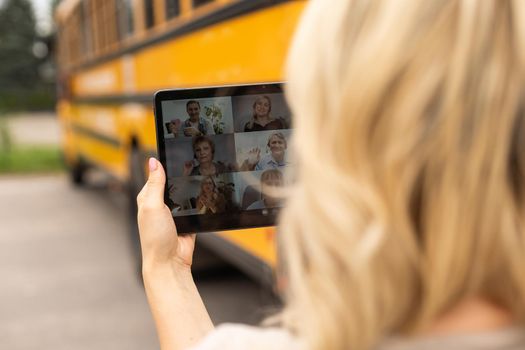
{"x":214,"y":114}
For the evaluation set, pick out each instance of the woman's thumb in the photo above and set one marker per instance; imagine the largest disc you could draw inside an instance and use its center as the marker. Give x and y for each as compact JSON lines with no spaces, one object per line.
{"x":156,"y":180}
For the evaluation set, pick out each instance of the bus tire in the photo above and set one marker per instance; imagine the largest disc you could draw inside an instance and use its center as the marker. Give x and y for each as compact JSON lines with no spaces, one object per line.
{"x":77,"y":173}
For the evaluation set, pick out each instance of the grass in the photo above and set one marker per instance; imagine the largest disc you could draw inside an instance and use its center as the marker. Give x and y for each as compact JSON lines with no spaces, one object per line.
{"x":18,"y":159}
{"x":31,"y":159}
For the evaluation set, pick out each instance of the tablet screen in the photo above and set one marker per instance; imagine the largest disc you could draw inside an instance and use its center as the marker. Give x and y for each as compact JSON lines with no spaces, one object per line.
{"x":225,"y":151}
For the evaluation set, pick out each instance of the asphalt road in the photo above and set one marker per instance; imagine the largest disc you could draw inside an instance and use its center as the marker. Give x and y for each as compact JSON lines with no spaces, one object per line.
{"x":68,"y":280}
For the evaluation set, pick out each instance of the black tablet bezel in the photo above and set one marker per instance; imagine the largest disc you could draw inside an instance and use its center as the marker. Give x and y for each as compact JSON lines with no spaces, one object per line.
{"x":213,"y":222}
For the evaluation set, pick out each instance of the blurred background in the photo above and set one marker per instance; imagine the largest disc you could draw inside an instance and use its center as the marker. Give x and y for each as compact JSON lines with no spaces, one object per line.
{"x":76,"y":126}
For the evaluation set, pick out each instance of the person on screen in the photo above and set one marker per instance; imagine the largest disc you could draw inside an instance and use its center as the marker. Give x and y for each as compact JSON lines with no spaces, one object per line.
{"x":210,"y":200}
{"x":203,"y":153}
{"x":173,"y":127}
{"x":275,"y":159}
{"x":271,"y":181}
{"x":193,"y":126}
{"x":262,"y":118}
{"x":405,"y":228}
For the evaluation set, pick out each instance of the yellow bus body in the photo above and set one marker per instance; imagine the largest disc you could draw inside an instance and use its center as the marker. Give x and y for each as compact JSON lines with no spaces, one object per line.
{"x":109,"y":107}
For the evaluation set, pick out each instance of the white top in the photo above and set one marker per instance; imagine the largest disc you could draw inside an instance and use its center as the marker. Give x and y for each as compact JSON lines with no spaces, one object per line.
{"x":241,"y":337}
{"x":237,"y":337}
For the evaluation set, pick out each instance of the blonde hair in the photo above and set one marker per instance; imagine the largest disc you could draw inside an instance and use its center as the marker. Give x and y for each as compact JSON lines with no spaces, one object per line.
{"x":271,"y":174}
{"x":414,"y":119}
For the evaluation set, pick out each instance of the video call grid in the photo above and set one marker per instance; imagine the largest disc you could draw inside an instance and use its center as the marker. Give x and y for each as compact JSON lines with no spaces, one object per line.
{"x":237,"y":120}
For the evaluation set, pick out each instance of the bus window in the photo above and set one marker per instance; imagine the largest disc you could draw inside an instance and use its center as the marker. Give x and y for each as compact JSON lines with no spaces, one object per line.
{"x":149,"y":19}
{"x":172,"y":9}
{"x":197,"y":3}
{"x":109,"y":25}
{"x":100,"y":21}
{"x":85,"y":25}
{"x":124,"y":18}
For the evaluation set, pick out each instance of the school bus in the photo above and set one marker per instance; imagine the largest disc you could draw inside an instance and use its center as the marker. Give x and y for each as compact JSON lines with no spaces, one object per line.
{"x":114,"y":54}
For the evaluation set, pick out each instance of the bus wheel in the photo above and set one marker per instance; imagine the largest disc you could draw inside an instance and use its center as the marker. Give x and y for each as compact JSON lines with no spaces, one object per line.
{"x":77,"y":173}
{"x":136,"y":181}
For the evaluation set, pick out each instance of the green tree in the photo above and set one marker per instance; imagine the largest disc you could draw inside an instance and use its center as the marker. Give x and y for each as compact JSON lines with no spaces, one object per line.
{"x":53,"y":7}
{"x":54,"y":4}
{"x":18,"y":64}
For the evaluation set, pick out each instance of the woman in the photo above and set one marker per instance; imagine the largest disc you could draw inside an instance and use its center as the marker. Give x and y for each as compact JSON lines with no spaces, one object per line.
{"x":173,"y":127}
{"x":209,"y":200}
{"x":411,"y":164}
{"x":276,"y":159}
{"x":262,"y":119}
{"x":203,"y":152}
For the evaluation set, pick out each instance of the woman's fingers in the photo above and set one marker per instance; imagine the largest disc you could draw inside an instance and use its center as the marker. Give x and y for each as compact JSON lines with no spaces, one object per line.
{"x":158,"y":234}
{"x":185,"y":248}
{"x":152,"y":194}
{"x":188,"y":167}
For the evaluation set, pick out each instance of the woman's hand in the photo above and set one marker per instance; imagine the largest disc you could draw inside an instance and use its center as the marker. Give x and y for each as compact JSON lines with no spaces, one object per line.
{"x":188,"y":168}
{"x":174,"y":126}
{"x":209,"y":203}
{"x":177,"y":308}
{"x":158,"y":235}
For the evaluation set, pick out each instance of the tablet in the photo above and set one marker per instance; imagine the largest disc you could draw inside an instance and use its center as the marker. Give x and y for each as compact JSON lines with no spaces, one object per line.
{"x":225,"y":152}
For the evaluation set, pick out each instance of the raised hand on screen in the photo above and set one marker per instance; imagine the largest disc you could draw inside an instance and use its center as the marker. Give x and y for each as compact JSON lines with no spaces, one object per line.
{"x":174,"y":126}
{"x":188,"y":167}
{"x":254,"y":155}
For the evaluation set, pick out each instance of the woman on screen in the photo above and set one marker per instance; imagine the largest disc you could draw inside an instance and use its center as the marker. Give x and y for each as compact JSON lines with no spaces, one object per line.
{"x":262,"y":118}
{"x":210,"y":200}
{"x":203,"y":154}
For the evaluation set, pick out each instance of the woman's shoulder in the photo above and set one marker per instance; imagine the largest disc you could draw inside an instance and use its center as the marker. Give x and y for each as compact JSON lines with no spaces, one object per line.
{"x":196,"y":170}
{"x":236,"y":336}
{"x":222,"y":167}
{"x":248,"y":126}
{"x":276,"y":124}
{"x":511,"y":338}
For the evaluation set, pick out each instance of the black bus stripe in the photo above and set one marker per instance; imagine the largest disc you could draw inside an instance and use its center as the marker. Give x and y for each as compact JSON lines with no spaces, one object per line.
{"x":114,"y":99}
{"x":96,"y":135}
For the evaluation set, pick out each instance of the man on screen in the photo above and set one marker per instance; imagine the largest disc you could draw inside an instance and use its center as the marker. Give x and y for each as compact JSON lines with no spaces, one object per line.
{"x":195,"y":125}
{"x":276,"y":158}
